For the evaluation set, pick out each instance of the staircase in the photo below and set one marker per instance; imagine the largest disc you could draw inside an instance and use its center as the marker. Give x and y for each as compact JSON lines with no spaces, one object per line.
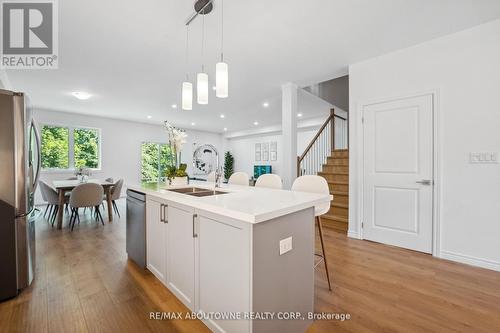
{"x":336,"y":173}
{"x":328,"y":156}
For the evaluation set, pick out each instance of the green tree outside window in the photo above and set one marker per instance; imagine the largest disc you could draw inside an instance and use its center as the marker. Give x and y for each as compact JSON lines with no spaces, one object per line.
{"x":55,"y":147}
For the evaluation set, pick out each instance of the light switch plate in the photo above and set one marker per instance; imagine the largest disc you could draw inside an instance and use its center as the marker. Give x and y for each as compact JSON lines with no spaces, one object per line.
{"x":285,"y":245}
{"x":483,"y":157}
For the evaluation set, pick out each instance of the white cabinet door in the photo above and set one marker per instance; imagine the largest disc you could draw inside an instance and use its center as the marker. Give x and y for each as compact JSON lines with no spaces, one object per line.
{"x":180,"y":254}
{"x":155,"y":238}
{"x":223,"y":277}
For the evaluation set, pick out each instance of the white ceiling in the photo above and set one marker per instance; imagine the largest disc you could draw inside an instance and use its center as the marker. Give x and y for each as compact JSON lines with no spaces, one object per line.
{"x":130,"y":54}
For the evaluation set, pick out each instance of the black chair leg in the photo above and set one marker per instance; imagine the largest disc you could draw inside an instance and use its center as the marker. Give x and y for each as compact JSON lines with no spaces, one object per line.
{"x":71,"y":218}
{"x":66,"y":207}
{"x":54,"y":214}
{"x":46,"y":208}
{"x":98,"y":214}
{"x":115,"y":207}
{"x":50,"y":212}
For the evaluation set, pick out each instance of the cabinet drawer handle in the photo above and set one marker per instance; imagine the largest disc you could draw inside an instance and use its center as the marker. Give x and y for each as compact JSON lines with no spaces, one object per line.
{"x":161,"y":212}
{"x":194,"y":221}
{"x":165,"y":218}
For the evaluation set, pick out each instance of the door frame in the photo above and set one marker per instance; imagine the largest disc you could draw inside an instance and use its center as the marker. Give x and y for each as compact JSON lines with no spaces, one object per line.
{"x":437,"y":163}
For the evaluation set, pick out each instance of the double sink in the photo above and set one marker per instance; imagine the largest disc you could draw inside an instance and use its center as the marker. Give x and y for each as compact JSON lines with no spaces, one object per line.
{"x":197,"y":191}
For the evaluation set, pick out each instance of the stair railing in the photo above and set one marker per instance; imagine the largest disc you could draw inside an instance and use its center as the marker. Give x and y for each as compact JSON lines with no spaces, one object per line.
{"x":333,"y":134}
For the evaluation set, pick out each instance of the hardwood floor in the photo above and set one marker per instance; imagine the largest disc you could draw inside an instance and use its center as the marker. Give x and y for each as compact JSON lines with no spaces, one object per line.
{"x":84,"y":283}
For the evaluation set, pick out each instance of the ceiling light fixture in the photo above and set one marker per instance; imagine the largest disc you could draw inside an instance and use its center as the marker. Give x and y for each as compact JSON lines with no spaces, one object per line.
{"x":225,"y":129}
{"x":82,"y":95}
{"x":265,"y":104}
{"x":299,"y":115}
{"x":255,"y":123}
{"x":149,"y":117}
{"x":214,"y":88}
{"x":174,"y":106}
{"x":187,"y":87}
{"x":222,"y":116}
{"x":221,"y":68}
{"x":202,"y":77}
{"x":192,"y":124}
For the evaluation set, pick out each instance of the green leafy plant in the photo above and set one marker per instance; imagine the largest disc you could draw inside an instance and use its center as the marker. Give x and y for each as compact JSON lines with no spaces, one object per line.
{"x":173,"y":171}
{"x":228,"y":165}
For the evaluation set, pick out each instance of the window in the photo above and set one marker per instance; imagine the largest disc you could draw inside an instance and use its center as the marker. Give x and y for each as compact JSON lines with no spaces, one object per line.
{"x":69,"y":148}
{"x":155,"y":158}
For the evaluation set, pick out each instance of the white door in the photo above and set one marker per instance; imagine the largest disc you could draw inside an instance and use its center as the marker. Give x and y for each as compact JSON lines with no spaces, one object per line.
{"x":398,"y":172}
{"x":180,"y":253}
{"x":155,"y":239}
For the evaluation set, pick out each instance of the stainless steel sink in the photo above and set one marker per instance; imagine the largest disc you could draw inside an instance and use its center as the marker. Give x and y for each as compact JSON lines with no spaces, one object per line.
{"x":197,"y":191}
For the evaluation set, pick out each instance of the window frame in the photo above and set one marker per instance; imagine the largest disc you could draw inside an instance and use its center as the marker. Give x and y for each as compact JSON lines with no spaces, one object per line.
{"x":71,"y":147}
{"x":159,"y":158}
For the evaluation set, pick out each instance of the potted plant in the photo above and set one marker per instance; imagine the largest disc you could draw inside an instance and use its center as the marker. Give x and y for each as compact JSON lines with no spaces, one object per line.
{"x":228,"y":165}
{"x":176,"y":173}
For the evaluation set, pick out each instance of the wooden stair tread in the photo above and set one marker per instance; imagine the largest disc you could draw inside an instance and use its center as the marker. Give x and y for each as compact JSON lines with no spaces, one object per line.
{"x":344,"y":149}
{"x":338,"y":218}
{"x":335,"y":192}
{"x":338,"y":204}
{"x":338,"y":182}
{"x":344,"y":173}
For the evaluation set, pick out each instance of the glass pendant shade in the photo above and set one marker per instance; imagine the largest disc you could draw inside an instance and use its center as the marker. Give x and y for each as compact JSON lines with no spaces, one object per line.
{"x":221,"y":80}
{"x":202,"y":88}
{"x":187,"y":96}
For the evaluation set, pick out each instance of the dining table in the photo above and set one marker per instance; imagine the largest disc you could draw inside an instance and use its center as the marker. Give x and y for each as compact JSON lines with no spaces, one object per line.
{"x":64,"y":186}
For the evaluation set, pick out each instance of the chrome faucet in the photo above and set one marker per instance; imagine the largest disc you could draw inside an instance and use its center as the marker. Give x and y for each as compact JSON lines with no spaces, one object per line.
{"x":218,"y":171}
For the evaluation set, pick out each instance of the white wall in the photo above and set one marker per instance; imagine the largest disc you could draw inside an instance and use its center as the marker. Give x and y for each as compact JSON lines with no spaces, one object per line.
{"x":465,"y":70}
{"x":243,"y":150}
{"x":121,"y":144}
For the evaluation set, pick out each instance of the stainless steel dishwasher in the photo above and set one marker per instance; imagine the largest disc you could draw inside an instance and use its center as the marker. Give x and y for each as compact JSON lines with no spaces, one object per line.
{"x":136,"y":227}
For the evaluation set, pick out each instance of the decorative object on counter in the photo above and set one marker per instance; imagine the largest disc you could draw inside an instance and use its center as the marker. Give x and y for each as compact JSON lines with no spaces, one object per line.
{"x":257,"y":152}
{"x":83,"y":174}
{"x":177,"y":175}
{"x":273,"y":151}
{"x":203,"y":159}
{"x":176,"y":138}
{"x":199,"y":164}
{"x":228,"y":165}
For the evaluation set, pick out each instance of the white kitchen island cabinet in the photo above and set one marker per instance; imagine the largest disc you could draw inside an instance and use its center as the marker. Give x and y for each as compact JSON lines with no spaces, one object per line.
{"x":223,"y":255}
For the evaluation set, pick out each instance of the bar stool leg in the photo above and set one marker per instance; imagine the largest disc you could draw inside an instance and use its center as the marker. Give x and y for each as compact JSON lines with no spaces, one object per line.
{"x":320,"y":227}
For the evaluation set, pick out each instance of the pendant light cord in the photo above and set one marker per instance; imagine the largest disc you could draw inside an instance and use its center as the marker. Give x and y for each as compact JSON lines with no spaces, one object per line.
{"x":203,"y":43}
{"x":222,"y":31}
{"x":187,"y":53}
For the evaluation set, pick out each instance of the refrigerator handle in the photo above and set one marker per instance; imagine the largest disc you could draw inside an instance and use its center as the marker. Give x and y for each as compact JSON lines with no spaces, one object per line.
{"x":39,"y":152}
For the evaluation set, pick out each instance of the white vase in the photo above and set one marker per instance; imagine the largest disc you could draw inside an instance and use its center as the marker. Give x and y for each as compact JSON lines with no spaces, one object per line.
{"x":178,"y":181}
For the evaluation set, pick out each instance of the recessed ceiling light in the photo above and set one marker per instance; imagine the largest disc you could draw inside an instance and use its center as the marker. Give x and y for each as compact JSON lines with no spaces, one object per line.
{"x":149,"y":117}
{"x":192,"y":124}
{"x":255,"y":123}
{"x":225,"y":129}
{"x":81,"y":95}
{"x":222,"y":116}
{"x":174,"y":106}
{"x":214,"y":88}
{"x":265,"y":104}
{"x":299,"y":114}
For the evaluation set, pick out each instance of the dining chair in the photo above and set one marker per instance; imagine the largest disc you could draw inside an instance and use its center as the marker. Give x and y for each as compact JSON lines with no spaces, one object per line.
{"x":52,"y":200}
{"x":269,"y":181}
{"x":116,"y":192}
{"x":238,"y":178}
{"x":316,"y":184}
{"x":82,"y":196}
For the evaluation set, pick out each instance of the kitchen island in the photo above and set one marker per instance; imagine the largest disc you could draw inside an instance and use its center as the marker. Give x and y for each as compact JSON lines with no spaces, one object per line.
{"x":241,"y":257}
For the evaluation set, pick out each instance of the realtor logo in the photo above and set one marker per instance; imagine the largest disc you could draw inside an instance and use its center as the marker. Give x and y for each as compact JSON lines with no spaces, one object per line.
{"x":29,"y":34}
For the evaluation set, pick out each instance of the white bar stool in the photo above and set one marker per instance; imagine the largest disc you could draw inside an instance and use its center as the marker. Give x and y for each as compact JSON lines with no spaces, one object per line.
{"x":269,"y":181}
{"x":316,"y":184}
{"x":239,"y":178}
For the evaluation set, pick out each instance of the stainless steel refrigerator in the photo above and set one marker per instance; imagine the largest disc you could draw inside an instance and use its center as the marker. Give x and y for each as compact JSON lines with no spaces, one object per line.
{"x":19,"y":171}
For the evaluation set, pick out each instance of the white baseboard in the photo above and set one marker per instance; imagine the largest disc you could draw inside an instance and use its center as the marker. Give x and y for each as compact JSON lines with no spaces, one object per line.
{"x":470,"y":260}
{"x":353,"y":234}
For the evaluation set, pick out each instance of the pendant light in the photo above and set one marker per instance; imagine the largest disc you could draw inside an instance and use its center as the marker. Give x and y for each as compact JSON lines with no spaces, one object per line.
{"x":187,"y":87}
{"x":202,"y":78}
{"x":221,"y":68}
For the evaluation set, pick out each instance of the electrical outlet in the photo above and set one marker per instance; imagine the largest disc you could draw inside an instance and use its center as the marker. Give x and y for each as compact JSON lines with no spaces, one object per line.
{"x":285,"y":245}
{"x":483,"y":157}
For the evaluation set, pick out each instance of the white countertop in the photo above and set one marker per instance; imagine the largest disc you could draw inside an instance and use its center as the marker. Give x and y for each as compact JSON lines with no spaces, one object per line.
{"x":243,"y":203}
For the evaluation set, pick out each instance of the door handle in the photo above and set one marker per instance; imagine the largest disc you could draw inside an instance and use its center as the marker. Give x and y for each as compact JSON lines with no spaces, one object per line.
{"x":39,"y":154}
{"x":165,"y":219}
{"x":194,"y":227}
{"x":424,"y":182}
{"x":161,"y":212}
